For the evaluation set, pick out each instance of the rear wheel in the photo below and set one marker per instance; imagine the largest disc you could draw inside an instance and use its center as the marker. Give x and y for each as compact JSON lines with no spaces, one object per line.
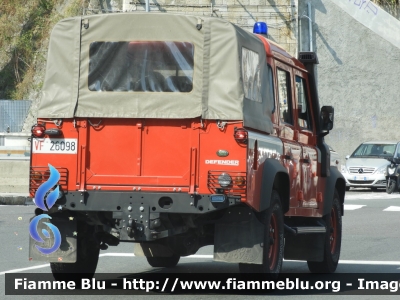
{"x":163,"y":262}
{"x":273,"y":240}
{"x":391,"y":187}
{"x":87,"y":257}
{"x":333,"y":240}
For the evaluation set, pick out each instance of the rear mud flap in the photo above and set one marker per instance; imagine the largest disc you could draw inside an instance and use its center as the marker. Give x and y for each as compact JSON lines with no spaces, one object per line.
{"x":239,"y":237}
{"x":67,"y":252}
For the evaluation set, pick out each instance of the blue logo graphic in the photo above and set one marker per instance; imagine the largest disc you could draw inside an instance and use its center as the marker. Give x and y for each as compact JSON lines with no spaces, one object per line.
{"x":45,"y":206}
{"x":45,"y":187}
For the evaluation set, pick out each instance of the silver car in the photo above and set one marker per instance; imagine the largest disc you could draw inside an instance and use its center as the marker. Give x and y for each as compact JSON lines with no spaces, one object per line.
{"x":366,"y":167}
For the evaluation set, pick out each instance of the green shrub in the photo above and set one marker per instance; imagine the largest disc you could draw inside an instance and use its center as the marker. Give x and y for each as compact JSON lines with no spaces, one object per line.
{"x":24,"y":30}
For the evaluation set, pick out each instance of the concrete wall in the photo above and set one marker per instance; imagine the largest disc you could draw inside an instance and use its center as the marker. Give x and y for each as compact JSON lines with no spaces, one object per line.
{"x":14,"y":176}
{"x":359,"y":69}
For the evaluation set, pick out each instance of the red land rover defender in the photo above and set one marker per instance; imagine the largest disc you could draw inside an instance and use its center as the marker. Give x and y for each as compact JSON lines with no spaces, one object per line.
{"x":175,"y":132}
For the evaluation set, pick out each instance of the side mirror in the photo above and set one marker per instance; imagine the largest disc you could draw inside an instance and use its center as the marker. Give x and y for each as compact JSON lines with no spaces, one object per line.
{"x":347,"y":156}
{"x":326,"y":118}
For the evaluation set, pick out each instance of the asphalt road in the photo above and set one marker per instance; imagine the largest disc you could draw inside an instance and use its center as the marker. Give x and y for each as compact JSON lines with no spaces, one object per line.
{"x":370,"y":244}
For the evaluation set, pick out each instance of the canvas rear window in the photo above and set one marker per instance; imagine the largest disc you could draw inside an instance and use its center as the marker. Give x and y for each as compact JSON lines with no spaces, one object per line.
{"x":143,"y":66}
{"x":251,"y":75}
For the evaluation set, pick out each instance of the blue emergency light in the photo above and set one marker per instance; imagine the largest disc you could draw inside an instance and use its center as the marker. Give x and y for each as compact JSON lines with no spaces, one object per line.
{"x":260,"y":28}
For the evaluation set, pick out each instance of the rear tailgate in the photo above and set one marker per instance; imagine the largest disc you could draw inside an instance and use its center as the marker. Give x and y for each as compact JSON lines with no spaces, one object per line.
{"x":144,"y":153}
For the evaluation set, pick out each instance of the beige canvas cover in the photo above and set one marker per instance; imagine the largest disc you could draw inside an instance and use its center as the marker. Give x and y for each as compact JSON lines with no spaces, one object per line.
{"x":216,"y":90}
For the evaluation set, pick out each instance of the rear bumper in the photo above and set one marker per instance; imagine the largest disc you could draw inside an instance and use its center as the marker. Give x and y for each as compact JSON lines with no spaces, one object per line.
{"x":117,"y":202}
{"x":138,"y":215}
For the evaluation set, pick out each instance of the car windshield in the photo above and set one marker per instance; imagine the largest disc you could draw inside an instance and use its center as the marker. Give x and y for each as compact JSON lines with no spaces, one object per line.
{"x":374,"y":150}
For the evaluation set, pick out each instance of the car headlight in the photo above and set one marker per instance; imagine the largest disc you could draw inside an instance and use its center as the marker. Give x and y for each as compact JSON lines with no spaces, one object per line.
{"x":224,"y":180}
{"x":343,"y":169}
{"x":381,"y":170}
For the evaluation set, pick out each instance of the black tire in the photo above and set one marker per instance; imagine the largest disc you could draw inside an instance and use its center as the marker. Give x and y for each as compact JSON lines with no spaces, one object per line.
{"x":163,"y":262}
{"x":273,"y":237}
{"x":333,"y":240}
{"x":87,"y":258}
{"x":392,"y":187}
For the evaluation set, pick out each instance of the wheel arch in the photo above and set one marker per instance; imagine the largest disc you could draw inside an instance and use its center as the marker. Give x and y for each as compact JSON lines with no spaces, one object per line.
{"x":334,"y":181}
{"x":275,"y":176}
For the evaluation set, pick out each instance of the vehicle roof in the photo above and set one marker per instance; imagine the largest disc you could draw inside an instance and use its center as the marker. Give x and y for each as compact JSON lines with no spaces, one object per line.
{"x":277,"y":49}
{"x":279,"y":53}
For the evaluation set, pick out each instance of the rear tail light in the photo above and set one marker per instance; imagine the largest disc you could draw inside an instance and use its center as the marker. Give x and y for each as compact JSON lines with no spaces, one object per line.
{"x":38,"y":130}
{"x":37,"y":176}
{"x":241,"y":135}
{"x":227,"y":182}
{"x":240,"y":180}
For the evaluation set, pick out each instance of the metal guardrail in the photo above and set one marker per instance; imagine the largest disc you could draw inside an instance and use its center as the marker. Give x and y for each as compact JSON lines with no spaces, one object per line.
{"x":13,"y":114}
{"x":15,"y":146}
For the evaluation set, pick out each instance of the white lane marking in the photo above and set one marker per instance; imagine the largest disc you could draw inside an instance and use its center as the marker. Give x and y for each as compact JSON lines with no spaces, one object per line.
{"x":116,"y":254}
{"x":363,"y":262}
{"x":358,"y":196}
{"x":352,"y":206}
{"x":392,"y":208}
{"x":101,"y":255}
{"x":199,"y":256}
{"x":25,"y":269}
{"x":370,"y":262}
{"x":350,"y":262}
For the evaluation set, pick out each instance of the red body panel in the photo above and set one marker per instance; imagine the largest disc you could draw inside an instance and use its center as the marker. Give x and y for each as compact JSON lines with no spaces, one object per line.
{"x":213,"y":139}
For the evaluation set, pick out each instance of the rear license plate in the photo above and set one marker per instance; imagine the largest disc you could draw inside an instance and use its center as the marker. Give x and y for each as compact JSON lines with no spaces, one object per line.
{"x":55,"y":146}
